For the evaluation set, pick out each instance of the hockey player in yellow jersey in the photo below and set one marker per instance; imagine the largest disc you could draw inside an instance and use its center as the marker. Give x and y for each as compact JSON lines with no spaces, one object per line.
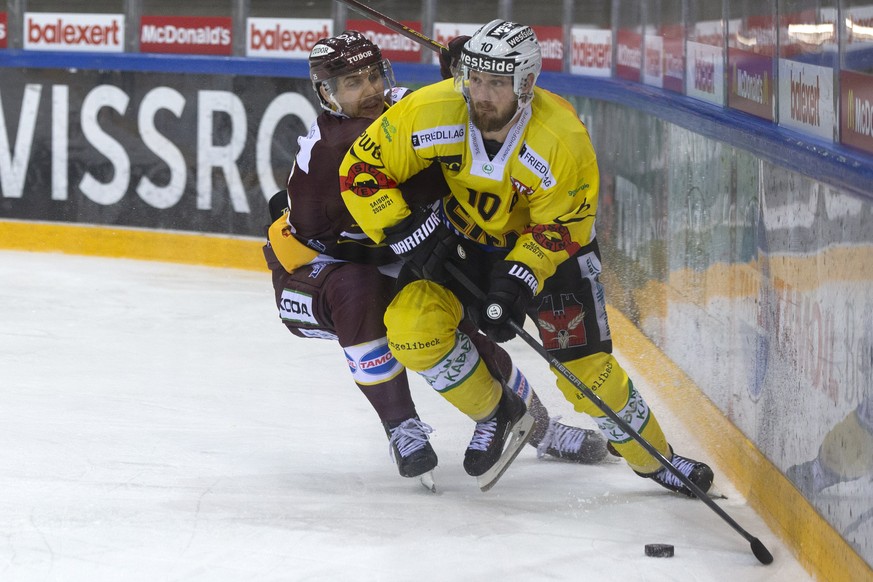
{"x":519,"y":221}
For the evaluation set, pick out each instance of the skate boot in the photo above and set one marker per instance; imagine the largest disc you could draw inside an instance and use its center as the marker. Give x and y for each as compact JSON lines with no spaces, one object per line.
{"x":410,"y":448}
{"x":698,"y":473}
{"x":486,"y":448}
{"x":578,"y":445}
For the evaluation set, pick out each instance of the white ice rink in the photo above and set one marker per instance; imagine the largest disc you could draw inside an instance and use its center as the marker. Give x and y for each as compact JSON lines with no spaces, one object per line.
{"x":158,"y":423}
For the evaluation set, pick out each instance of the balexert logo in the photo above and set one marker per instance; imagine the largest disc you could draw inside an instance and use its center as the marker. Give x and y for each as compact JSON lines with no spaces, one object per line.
{"x":2,"y":31}
{"x":287,"y":37}
{"x":704,"y":73}
{"x":805,"y":100}
{"x":587,"y":53}
{"x":71,"y":31}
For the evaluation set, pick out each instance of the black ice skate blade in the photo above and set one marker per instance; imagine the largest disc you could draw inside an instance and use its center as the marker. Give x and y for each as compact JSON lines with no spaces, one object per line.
{"x":521,"y":433}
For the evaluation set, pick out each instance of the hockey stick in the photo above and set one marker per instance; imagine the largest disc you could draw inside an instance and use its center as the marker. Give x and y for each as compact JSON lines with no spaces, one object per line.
{"x":392,"y":24}
{"x":758,"y":549}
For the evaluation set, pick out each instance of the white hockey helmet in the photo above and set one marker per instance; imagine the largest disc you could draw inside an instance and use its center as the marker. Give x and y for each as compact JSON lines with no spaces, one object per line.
{"x":502,"y":47}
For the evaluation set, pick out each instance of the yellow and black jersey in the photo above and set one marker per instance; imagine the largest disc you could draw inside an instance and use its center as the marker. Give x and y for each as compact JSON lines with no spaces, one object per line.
{"x":536,"y":198}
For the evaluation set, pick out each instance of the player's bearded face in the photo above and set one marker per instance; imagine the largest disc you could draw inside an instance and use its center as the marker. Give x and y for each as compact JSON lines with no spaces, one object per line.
{"x":493,"y":103}
{"x":361,"y":93}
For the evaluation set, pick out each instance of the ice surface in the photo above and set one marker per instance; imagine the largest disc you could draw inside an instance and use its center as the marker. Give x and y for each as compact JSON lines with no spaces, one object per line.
{"x":157,"y":422}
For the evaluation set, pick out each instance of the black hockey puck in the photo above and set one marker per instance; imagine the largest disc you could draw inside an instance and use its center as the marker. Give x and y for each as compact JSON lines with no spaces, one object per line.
{"x":659,"y":550}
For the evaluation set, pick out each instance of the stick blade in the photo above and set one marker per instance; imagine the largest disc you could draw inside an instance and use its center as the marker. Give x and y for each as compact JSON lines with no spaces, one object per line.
{"x":761,"y":552}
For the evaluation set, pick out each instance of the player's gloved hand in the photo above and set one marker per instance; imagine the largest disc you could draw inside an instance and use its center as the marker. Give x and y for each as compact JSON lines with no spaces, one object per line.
{"x":449,"y":59}
{"x":424,"y":243}
{"x":513,"y":285}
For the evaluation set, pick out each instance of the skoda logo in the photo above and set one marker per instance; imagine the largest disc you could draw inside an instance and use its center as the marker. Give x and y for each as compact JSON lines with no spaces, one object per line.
{"x":487,"y":168}
{"x":494,"y":311}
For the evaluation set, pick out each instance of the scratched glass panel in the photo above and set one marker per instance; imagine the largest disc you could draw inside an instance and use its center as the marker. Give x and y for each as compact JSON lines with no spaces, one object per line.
{"x":758,"y":282}
{"x":857,"y":50}
{"x":190,"y":8}
{"x":92,"y":6}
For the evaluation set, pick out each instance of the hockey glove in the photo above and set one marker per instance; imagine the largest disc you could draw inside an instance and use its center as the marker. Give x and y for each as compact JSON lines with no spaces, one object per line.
{"x":424,"y":243}
{"x":449,"y":59}
{"x":513,"y":286}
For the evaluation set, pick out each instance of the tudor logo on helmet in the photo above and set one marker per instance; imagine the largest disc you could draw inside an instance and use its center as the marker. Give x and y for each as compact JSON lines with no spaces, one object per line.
{"x":345,"y":54}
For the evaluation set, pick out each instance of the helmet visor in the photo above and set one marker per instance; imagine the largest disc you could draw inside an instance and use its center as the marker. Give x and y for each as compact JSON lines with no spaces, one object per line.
{"x":360,"y":93}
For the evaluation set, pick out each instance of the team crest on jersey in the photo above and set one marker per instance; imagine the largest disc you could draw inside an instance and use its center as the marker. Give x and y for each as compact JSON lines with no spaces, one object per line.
{"x":555,"y":238}
{"x":365,"y":180}
{"x":519,"y":188}
{"x":563,"y":326}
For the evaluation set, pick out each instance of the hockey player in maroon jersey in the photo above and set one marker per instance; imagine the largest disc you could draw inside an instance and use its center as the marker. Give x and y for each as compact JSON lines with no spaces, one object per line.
{"x":331,"y":281}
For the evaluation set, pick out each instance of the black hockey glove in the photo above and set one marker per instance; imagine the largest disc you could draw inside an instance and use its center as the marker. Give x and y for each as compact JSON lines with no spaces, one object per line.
{"x":513,"y":285}
{"x":449,"y":59}
{"x":424,"y":243}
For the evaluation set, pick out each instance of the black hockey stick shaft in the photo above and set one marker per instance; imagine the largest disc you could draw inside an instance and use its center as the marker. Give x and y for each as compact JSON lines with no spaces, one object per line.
{"x":392,"y":24}
{"x":758,"y":549}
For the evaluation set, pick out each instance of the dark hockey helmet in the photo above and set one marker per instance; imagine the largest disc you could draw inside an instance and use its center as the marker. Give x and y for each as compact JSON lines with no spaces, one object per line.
{"x":341,"y":55}
{"x":502,"y":48}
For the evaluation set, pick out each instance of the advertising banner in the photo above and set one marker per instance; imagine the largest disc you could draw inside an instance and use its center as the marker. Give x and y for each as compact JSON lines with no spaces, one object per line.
{"x":198,"y":153}
{"x":629,"y":55}
{"x":395,"y":47}
{"x":551,"y":39}
{"x":674,"y":57}
{"x":750,"y":84}
{"x":288,"y":38}
{"x":186,"y":35}
{"x":57,"y":31}
{"x":591,"y":52}
{"x":3,"y":31}
{"x":443,"y":32}
{"x":653,"y":68}
{"x":806,"y":98}
{"x":704,"y":75}
{"x":856,"y":110}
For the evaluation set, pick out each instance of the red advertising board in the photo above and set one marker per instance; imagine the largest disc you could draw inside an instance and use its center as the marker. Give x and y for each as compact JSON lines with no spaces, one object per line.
{"x":395,"y":47}
{"x":3,"y":31}
{"x":674,"y":57}
{"x":186,"y":35}
{"x":629,"y":55}
{"x":750,"y":83}
{"x":856,"y":110}
{"x":551,"y":39}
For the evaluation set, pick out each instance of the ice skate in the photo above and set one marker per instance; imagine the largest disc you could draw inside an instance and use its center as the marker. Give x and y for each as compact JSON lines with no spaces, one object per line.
{"x":698,"y":473}
{"x":574,"y":444}
{"x":410,"y":447}
{"x":497,"y":440}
